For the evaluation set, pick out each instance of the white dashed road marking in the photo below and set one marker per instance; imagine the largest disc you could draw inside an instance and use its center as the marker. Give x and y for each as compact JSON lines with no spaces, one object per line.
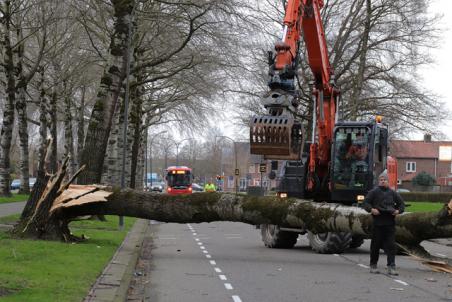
{"x":401,"y":282}
{"x":222,"y":277}
{"x":441,"y":255}
{"x":363,"y":265}
{"x":228,"y":286}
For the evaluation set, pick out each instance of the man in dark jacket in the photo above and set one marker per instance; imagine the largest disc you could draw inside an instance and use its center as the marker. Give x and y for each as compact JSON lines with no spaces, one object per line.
{"x":384,"y":204}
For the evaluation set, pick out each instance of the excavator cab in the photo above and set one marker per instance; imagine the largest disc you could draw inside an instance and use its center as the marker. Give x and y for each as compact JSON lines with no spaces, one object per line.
{"x":359,"y":155}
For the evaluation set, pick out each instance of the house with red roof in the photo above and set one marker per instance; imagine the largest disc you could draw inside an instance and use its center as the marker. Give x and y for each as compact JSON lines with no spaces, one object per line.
{"x":413,"y":157}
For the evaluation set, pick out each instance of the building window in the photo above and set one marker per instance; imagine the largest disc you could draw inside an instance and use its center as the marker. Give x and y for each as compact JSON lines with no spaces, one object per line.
{"x":411,"y":166}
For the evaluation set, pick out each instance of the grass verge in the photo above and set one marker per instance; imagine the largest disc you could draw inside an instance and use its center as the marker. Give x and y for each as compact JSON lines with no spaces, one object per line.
{"x":14,"y":198}
{"x":419,"y":206}
{"x":36,"y":270}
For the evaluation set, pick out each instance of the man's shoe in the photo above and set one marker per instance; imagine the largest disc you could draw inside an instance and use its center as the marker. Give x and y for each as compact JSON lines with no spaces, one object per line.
{"x":392,"y":271}
{"x":374,"y":269}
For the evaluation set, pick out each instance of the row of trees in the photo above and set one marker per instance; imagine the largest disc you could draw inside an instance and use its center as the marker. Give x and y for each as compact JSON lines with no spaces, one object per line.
{"x":68,"y":69}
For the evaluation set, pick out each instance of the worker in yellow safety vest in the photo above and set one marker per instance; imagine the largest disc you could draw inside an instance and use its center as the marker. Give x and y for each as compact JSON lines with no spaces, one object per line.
{"x":209,"y":187}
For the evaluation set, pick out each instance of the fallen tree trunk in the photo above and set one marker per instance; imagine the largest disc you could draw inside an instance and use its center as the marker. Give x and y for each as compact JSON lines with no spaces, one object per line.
{"x":60,"y":203}
{"x":412,"y":228}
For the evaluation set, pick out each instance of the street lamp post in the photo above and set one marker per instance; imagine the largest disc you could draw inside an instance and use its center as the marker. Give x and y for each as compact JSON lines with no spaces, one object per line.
{"x":235,"y":157}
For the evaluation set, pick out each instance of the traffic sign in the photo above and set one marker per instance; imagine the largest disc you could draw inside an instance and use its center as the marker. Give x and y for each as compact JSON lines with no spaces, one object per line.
{"x":263,"y":168}
{"x":237,"y":172}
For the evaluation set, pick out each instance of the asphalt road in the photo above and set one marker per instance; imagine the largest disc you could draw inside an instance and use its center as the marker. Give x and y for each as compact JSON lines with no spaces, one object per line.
{"x":227,"y":261}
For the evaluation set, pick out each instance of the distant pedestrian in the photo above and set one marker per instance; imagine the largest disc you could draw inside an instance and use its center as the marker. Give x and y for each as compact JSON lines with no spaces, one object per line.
{"x":209,"y":187}
{"x":384,"y":204}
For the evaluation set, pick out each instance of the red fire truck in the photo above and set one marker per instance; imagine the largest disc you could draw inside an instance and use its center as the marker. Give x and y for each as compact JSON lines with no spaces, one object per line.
{"x":179,"y":180}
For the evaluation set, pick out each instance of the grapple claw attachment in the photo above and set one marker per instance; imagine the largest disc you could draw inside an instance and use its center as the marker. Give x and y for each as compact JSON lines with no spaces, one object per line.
{"x":276,"y":137}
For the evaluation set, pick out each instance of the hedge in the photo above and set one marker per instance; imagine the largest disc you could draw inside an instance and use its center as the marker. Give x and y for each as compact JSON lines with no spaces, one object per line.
{"x":427,"y":196}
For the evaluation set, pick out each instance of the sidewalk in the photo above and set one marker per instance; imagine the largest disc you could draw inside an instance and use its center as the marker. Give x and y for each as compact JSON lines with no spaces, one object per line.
{"x":113,"y":283}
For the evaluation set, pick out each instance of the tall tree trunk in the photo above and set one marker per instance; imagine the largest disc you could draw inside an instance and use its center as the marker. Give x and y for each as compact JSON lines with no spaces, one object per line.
{"x":24,"y":166}
{"x":41,"y":179}
{"x":8,"y":110}
{"x":112,"y":165}
{"x":21,"y":108}
{"x":358,"y":87}
{"x":102,"y":115}
{"x":136,"y":119}
{"x":53,"y":130}
{"x":81,"y":127}
{"x":68,"y":137}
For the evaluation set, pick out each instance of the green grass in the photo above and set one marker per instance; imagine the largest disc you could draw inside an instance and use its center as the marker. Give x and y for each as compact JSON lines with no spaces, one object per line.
{"x":419,"y":206}
{"x":14,"y":198}
{"x":35,"y":270}
{"x":9,"y":219}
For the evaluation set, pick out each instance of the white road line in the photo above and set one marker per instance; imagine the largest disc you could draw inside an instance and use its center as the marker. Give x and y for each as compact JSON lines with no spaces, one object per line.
{"x":208,"y":256}
{"x":236,"y":299}
{"x":213,"y":262}
{"x":218,"y":270}
{"x":228,"y":286}
{"x":194,"y":234}
{"x":222,"y":277}
{"x":337,"y":255}
{"x":363,"y":265}
{"x":441,"y":255}
{"x":202,"y":248}
{"x":232,"y":234}
{"x":401,"y":282}
{"x":199,"y":243}
{"x":205,"y":252}
{"x":197,"y":239}
{"x":233,"y":237}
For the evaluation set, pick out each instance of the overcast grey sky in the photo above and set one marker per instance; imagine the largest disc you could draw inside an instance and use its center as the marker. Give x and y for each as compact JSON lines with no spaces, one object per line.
{"x":437,"y":77}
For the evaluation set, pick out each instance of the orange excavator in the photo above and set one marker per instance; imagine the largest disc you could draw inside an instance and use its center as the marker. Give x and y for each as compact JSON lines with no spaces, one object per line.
{"x":341,"y":160}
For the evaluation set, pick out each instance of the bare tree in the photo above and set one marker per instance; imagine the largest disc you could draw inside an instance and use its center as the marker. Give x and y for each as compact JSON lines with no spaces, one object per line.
{"x":376,"y":49}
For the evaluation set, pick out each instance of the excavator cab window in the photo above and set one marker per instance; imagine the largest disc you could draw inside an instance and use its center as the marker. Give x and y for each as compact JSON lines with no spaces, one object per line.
{"x":351,"y":158}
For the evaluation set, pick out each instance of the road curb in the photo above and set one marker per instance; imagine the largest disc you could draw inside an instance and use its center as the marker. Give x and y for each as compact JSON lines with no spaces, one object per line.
{"x":113,"y":283}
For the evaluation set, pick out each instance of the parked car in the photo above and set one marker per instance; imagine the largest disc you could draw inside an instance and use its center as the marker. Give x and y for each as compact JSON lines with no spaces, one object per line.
{"x":156,"y":187}
{"x":16,"y":183}
{"x":197,"y":188}
{"x":402,"y":190}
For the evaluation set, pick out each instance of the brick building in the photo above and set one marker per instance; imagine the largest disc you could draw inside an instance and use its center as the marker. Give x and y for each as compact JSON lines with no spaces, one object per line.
{"x":413,"y":157}
{"x":248,"y":165}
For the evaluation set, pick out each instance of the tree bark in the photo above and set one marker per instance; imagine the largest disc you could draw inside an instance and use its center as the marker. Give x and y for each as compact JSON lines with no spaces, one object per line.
{"x":68,"y":136}
{"x":99,"y":127}
{"x":412,"y":228}
{"x":53,"y":130}
{"x":8,"y":110}
{"x":81,"y":127}
{"x":59,"y":203}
